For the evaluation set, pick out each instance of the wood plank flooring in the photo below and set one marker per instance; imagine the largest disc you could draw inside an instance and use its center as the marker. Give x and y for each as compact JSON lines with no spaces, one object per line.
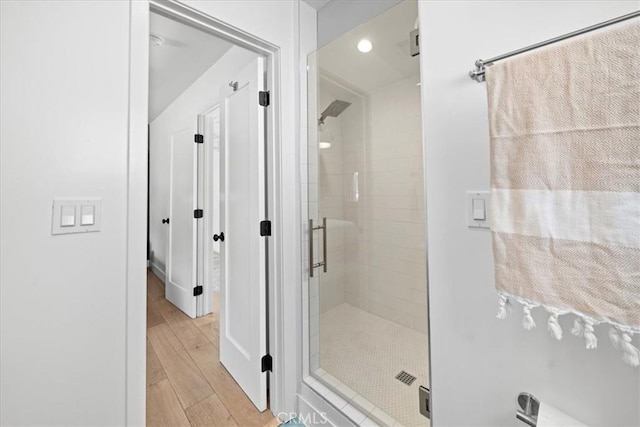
{"x":186,"y":384}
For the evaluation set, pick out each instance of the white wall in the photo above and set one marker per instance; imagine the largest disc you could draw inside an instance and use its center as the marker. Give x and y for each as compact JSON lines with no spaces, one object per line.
{"x":479,"y":364}
{"x":67,"y":357}
{"x":203,"y":94}
{"x":64,"y":133}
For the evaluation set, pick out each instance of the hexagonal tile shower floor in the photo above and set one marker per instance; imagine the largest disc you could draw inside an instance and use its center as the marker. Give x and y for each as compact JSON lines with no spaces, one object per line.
{"x":365,"y":353}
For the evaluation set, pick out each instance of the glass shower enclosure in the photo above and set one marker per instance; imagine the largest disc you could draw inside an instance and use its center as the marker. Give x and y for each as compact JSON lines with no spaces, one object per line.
{"x":366,"y":227}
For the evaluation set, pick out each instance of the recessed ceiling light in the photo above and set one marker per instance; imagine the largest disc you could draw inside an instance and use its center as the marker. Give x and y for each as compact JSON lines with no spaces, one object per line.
{"x":156,"y":41}
{"x":324,"y":145}
{"x":365,"y":46}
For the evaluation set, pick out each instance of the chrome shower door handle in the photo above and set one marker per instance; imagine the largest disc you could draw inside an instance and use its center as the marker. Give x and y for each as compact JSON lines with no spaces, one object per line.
{"x":324,"y":244}
{"x":322,"y":263}
{"x":310,"y":248}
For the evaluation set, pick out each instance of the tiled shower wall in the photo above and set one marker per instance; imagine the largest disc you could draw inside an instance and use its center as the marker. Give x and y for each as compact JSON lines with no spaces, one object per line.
{"x":392,"y":258}
{"x":376,"y":237}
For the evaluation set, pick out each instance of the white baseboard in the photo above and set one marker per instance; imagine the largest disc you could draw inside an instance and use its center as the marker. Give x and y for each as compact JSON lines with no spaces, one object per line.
{"x":158,"y":272}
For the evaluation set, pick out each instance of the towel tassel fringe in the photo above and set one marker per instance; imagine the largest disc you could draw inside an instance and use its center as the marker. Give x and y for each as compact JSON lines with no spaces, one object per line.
{"x":631,"y":352}
{"x":527,"y":320}
{"x":504,"y":307}
{"x":622,"y":338}
{"x":614,"y":337}
{"x":589,"y":334}
{"x":577,"y":330}
{"x":554,"y":326}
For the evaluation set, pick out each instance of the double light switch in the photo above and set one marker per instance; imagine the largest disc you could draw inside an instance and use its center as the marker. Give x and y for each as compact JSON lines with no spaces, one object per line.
{"x":76,"y":216}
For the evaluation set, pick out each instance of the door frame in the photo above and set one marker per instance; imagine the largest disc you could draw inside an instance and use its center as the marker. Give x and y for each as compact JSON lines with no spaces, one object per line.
{"x":137,"y":182}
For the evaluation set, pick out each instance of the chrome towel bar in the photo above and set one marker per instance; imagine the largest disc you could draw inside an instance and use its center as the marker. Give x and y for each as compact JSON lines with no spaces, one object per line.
{"x":478,"y":73}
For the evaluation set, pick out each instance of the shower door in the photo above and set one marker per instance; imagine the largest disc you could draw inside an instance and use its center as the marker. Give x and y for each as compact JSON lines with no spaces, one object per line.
{"x":366,"y":233}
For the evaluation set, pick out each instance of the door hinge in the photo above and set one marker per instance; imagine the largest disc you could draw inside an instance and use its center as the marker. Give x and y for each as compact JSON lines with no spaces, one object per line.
{"x":414,"y":43}
{"x":197,"y":291}
{"x":199,"y":139}
{"x":267,"y":363}
{"x":425,"y":401}
{"x":198,"y":213}
{"x":265,"y":228}
{"x":263,"y":98}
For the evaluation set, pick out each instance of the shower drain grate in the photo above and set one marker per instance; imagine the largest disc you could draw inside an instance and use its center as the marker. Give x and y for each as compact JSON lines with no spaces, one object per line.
{"x":405,"y":377}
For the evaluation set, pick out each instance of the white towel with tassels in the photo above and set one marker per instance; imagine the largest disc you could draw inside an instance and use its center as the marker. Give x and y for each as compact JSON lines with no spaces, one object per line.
{"x":565,"y":183}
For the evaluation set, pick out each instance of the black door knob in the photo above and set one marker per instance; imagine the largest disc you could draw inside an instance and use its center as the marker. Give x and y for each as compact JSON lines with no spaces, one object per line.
{"x":217,"y":237}
{"x":165,"y":221}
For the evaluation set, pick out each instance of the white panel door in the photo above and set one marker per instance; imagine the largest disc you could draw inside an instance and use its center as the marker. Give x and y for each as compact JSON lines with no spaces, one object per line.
{"x":182,"y":226}
{"x":243,"y":333}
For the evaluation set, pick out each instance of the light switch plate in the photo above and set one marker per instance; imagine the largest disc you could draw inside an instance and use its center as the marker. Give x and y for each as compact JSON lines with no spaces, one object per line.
{"x":479,"y":197}
{"x":76,"y":206}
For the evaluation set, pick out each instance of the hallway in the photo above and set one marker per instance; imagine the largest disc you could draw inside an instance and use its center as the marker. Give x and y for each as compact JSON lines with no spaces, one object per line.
{"x":186,"y":384}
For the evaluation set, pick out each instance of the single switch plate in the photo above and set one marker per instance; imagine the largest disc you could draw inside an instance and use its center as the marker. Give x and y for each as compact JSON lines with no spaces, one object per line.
{"x":478,"y":209}
{"x":76,"y":215}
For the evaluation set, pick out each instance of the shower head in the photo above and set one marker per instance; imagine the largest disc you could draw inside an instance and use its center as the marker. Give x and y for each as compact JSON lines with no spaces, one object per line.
{"x":333,"y":110}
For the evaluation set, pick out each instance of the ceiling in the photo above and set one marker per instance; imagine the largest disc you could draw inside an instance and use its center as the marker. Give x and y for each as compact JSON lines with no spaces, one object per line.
{"x":174,"y":66}
{"x":389,"y":60}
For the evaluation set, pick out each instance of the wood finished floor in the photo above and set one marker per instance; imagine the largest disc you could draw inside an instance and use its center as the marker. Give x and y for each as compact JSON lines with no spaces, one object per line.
{"x":186,"y":384}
